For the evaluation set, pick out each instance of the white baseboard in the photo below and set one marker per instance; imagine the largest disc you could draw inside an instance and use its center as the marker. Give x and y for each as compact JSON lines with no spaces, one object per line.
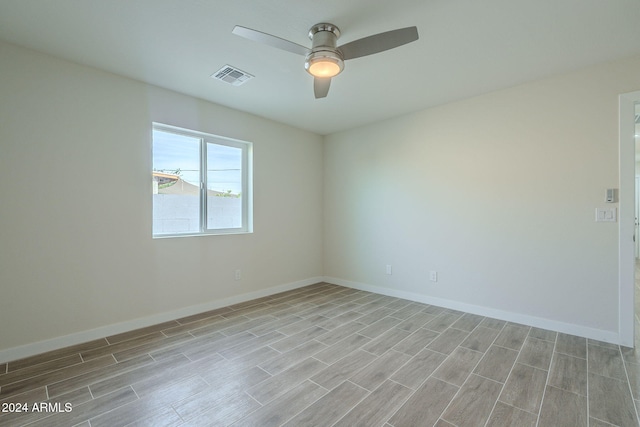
{"x":538,"y":322}
{"x":56,"y":343}
{"x":32,"y":349}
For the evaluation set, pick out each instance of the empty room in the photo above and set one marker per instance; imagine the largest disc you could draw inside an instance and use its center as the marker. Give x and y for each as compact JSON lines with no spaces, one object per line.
{"x":363,"y":213}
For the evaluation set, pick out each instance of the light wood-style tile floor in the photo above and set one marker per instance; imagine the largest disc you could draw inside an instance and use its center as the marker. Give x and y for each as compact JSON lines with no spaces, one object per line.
{"x":325,"y":355}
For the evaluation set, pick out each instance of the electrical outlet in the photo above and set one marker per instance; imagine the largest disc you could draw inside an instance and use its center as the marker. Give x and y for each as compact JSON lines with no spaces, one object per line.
{"x":388,"y":269}
{"x":433,"y":276}
{"x":238,"y":274}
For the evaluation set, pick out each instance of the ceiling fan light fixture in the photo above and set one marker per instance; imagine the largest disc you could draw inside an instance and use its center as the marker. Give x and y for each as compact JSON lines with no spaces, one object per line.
{"x":326,"y":59}
{"x":324,"y":64}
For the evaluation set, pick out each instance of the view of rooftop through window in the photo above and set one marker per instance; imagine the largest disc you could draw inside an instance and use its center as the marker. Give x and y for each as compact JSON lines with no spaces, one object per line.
{"x":178,"y":154}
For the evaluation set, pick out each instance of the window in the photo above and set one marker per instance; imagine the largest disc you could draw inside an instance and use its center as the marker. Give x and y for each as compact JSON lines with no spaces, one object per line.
{"x":201,"y":183}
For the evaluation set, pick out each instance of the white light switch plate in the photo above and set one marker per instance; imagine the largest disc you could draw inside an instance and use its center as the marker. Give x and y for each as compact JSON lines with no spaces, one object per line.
{"x":606,"y":214}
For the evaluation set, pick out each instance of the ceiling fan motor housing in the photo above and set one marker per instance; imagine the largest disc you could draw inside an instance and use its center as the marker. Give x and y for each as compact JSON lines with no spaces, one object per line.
{"x":324,"y":60}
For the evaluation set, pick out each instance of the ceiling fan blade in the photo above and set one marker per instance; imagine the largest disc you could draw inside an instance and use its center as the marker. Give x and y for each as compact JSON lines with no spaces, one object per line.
{"x":270,"y":40}
{"x":321,"y":87}
{"x":378,"y":42}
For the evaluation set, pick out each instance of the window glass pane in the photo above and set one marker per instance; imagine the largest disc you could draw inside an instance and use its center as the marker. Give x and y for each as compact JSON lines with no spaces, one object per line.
{"x":176,"y":181}
{"x":224,"y":186}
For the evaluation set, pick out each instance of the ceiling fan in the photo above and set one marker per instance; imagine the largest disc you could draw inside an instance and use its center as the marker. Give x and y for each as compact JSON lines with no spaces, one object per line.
{"x":326,"y":60}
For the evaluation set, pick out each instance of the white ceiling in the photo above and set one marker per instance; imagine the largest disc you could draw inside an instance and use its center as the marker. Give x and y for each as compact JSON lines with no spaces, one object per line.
{"x":466,"y":48}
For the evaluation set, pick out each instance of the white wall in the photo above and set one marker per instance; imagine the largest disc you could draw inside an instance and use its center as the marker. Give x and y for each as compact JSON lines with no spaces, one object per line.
{"x":495,"y":193}
{"x":76,"y":252}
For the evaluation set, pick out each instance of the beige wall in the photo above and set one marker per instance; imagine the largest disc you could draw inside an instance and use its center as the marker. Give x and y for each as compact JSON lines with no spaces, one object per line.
{"x":496,"y":193}
{"x":76,"y":251}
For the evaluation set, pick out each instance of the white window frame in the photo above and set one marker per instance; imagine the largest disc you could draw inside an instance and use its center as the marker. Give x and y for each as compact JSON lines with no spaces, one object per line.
{"x":246,"y":186}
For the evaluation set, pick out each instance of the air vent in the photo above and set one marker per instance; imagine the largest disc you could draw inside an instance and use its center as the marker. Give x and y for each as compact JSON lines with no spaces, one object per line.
{"x":231,"y":75}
